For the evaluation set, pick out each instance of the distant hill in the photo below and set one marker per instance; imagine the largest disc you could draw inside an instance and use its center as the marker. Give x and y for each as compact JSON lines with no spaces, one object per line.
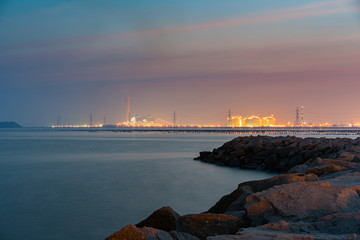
{"x":9,"y":125}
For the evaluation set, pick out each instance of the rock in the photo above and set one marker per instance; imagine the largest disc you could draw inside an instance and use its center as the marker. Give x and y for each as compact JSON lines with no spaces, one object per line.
{"x":339,"y":223}
{"x":298,"y":168}
{"x":9,"y":125}
{"x":324,"y":146}
{"x":164,"y":218}
{"x":297,"y":201}
{"x":325,"y":169}
{"x":258,"y":148}
{"x":262,"y":155}
{"x":322,"y":162}
{"x":261,"y":234}
{"x":348,"y":180}
{"x":236,"y":200}
{"x":280,"y":154}
{"x":284,"y":152}
{"x":162,"y":235}
{"x":346,"y":156}
{"x":318,"y":198}
{"x":269,"y":147}
{"x":239,"y":147}
{"x":182,"y":236}
{"x":238,"y":153}
{"x":203,"y":155}
{"x":208,"y":224}
{"x":131,"y":232}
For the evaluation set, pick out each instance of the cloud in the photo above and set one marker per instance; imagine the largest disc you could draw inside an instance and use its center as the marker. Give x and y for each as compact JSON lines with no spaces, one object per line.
{"x":303,"y":11}
{"x":316,"y":9}
{"x":334,"y":58}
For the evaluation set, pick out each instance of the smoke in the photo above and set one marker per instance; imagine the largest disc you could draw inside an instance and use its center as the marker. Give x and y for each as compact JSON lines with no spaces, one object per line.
{"x":135,"y":17}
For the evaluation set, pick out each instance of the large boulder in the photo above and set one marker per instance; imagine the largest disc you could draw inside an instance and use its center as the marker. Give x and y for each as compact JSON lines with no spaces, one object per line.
{"x":318,"y":198}
{"x":297,"y":201}
{"x":339,"y":223}
{"x":208,"y":224}
{"x":262,"y":234}
{"x":280,"y":154}
{"x":182,"y":236}
{"x":164,"y":218}
{"x":236,"y":200}
{"x":131,"y":232}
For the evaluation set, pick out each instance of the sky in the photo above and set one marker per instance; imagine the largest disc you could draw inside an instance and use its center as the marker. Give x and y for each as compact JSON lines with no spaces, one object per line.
{"x":198,"y":58}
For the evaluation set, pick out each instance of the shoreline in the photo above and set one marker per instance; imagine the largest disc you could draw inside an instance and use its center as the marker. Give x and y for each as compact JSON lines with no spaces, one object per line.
{"x":347,"y":131}
{"x":316,"y":197}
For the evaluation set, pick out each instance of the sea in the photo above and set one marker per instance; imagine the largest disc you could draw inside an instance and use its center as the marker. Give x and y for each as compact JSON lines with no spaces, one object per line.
{"x":63,"y":185}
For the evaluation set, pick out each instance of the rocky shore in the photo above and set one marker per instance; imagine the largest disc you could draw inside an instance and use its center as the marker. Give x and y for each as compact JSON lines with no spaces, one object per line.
{"x":316,"y":195}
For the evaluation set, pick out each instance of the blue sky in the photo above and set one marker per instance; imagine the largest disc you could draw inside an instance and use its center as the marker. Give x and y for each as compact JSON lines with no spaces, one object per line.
{"x":198,"y":58}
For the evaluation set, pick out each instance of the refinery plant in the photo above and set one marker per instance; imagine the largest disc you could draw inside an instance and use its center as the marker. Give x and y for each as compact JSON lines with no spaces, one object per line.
{"x":251,"y":121}
{"x":233,"y":121}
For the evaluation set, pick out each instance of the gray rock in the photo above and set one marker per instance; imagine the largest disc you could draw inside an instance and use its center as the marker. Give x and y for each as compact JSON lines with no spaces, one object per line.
{"x":325,"y":169}
{"x":339,"y":223}
{"x":275,"y":235}
{"x":131,"y":232}
{"x":164,"y":218}
{"x":182,"y":236}
{"x":208,"y":224}
{"x":236,"y":200}
{"x":298,"y":201}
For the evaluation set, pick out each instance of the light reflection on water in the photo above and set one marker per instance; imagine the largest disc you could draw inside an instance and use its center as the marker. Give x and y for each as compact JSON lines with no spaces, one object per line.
{"x":86,"y":185}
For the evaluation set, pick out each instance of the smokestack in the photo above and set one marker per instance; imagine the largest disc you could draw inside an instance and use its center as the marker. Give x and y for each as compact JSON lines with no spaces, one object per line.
{"x":297,"y":122}
{"x":302,"y":115}
{"x":91,"y":120}
{"x":128,"y":109}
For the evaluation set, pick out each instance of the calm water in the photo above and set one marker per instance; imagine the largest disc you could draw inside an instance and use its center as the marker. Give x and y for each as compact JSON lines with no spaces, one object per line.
{"x":86,"y":185}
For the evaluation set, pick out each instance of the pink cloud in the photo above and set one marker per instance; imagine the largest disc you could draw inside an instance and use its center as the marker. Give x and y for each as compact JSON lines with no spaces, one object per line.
{"x":314,"y":9}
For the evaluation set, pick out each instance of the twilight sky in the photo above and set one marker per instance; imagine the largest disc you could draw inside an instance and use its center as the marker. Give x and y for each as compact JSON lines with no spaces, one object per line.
{"x":198,"y":58}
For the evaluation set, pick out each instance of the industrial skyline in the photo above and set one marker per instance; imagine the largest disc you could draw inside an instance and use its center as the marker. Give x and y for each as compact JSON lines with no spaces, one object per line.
{"x":232,"y":121}
{"x":198,"y":58}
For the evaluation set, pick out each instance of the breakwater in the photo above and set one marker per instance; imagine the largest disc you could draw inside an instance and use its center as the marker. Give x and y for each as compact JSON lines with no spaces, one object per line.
{"x":315,"y":197}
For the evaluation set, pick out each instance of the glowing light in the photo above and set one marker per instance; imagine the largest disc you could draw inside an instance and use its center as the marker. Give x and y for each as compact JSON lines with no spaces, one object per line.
{"x":252,"y":121}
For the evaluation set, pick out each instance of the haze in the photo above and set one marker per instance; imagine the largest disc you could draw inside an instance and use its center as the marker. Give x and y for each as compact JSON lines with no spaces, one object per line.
{"x":198,"y":58}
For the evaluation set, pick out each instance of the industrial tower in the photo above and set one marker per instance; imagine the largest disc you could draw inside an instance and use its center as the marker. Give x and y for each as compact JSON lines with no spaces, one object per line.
{"x":58,"y":121}
{"x":128,"y":109}
{"x":297,"y":122}
{"x":302,"y":116}
{"x":174,"y":119}
{"x":91,"y":120}
{"x":229,"y":118}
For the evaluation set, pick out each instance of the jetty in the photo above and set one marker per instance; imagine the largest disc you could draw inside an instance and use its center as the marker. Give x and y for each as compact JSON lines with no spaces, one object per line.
{"x":315,"y":195}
